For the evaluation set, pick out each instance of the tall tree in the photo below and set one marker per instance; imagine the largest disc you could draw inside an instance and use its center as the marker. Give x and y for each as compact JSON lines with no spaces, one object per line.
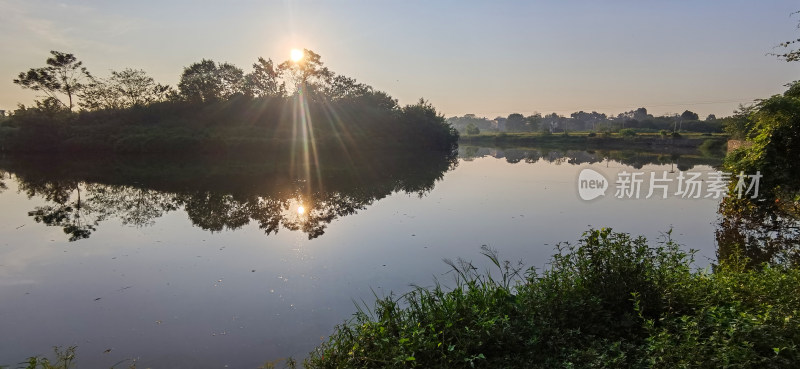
{"x":340,"y":87}
{"x":309,"y":71}
{"x":124,"y":89}
{"x":264,"y":80}
{"x":207,"y":81}
{"x":63,"y":75}
{"x":137,"y":88}
{"x":534,"y":121}
{"x":516,"y":122}
{"x":689,"y":115}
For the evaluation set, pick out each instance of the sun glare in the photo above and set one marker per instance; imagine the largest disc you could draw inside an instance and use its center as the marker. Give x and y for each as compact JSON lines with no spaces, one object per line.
{"x":301,"y":210}
{"x":296,"y":55}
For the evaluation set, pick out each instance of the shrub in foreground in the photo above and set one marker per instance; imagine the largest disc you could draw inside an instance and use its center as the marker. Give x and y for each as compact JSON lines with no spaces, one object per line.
{"x":611,"y":300}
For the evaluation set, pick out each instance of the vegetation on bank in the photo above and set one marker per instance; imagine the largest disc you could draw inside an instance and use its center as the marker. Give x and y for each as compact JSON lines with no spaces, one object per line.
{"x":623,"y":139}
{"x":638,"y":120}
{"x":611,"y":300}
{"x":217,"y":108}
{"x":764,"y":224}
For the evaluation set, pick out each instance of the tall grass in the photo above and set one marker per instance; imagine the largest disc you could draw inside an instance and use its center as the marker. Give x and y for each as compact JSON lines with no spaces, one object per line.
{"x":611,"y":300}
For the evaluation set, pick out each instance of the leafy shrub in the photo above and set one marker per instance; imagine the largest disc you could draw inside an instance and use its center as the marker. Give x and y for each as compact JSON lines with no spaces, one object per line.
{"x":627,"y":132}
{"x":611,"y":301}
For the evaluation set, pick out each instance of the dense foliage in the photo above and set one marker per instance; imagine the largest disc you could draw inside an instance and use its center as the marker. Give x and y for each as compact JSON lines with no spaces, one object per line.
{"x":219,"y":108}
{"x":773,"y":128}
{"x":765,"y":228}
{"x":611,"y":300}
{"x":638,"y":120}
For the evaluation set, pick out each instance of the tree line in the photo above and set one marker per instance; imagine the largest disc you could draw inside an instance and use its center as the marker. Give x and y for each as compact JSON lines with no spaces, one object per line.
{"x":66,"y":83}
{"x":637,"y":119}
{"x":214,"y":105}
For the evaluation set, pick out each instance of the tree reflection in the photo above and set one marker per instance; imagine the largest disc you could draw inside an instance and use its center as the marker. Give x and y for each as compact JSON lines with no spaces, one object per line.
{"x":218,"y":194}
{"x":683,"y":159}
{"x":759,"y":232}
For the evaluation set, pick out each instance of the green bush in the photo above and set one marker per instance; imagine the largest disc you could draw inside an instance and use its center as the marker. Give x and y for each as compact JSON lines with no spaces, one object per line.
{"x":610,"y":301}
{"x":627,"y":132}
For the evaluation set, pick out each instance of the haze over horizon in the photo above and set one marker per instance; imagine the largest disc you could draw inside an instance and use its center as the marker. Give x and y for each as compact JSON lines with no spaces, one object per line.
{"x":464,"y":57}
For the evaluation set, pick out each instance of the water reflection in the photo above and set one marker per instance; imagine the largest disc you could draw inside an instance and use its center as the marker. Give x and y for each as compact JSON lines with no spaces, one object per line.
{"x":217,"y":194}
{"x":679,"y":159}
{"x":760,"y":232}
{"x":229,"y":193}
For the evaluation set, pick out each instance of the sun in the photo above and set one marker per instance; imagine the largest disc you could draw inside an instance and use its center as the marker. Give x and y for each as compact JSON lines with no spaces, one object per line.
{"x":301,"y":210}
{"x":297,"y":55}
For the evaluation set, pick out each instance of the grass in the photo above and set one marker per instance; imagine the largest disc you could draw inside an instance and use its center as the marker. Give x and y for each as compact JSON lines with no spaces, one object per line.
{"x":64,"y":359}
{"x":611,"y":300}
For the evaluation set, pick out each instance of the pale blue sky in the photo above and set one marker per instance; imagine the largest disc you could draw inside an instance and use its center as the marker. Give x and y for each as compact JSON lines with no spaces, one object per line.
{"x":487,"y":58}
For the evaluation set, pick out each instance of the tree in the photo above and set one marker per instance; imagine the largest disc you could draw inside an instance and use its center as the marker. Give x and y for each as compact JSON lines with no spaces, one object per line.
{"x":341,"y":87}
{"x":688,"y":115}
{"x":137,"y":88}
{"x":124,"y":89}
{"x":789,"y":55}
{"x":264,"y":80}
{"x":99,"y":94}
{"x":207,"y":81}
{"x":640,"y":114}
{"x":472,"y":129}
{"x":773,"y":127}
{"x":590,"y":120}
{"x":516,"y":122}
{"x":307,"y":72}
{"x":63,"y":75}
{"x":711,"y":118}
{"x":231,"y":80}
{"x":534,"y":121}
{"x":551,"y":122}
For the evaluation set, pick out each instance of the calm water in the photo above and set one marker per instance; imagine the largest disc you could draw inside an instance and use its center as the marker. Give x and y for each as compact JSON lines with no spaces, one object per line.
{"x":234,"y":263}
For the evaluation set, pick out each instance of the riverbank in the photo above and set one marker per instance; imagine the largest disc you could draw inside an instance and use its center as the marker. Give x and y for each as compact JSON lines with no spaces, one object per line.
{"x":588,"y":140}
{"x":611,"y":300}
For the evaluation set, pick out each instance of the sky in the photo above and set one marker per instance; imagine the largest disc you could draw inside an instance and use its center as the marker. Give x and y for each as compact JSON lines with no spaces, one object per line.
{"x":485,"y":58}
